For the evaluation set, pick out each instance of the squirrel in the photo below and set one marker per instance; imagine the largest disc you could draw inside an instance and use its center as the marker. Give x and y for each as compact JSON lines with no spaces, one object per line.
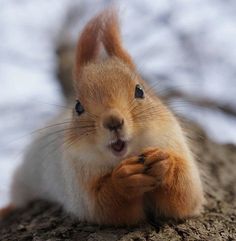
{"x":118,"y":151}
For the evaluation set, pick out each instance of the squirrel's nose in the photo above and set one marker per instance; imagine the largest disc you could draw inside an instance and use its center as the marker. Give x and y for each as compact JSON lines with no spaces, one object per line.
{"x":113,"y":123}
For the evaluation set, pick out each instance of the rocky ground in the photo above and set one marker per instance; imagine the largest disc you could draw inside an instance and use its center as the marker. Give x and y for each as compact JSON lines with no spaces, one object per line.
{"x":45,"y":221}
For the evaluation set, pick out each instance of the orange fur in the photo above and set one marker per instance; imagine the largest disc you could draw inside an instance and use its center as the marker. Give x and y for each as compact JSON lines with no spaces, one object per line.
{"x":171,"y":197}
{"x":112,"y":41}
{"x":88,"y":45}
{"x":112,"y":206}
{"x":128,"y":184}
{"x":162,"y":179}
{"x":102,"y":29}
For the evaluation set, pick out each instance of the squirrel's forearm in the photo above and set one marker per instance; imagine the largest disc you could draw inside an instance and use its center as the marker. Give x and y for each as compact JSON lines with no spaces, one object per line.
{"x":111,"y":207}
{"x":180,"y":193}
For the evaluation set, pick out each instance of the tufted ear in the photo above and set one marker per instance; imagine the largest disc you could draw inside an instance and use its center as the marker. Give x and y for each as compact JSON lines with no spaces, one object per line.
{"x":101,"y":30}
{"x":88,"y":44}
{"x":111,"y":38}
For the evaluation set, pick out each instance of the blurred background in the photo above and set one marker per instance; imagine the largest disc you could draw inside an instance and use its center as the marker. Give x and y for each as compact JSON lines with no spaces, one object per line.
{"x":185,"y":48}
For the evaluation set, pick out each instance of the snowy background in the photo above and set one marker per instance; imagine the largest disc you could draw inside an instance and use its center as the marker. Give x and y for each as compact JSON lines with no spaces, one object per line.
{"x":189,"y":46}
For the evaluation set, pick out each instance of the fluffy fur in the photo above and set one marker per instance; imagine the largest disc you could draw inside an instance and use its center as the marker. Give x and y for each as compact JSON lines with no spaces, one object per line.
{"x":72,"y":163}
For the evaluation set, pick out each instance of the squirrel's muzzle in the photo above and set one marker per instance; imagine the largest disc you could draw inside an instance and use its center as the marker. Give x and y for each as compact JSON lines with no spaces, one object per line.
{"x":113,"y":120}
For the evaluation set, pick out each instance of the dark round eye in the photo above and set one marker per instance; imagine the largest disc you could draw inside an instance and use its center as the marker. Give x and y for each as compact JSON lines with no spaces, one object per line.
{"x":79,"y":108}
{"x":139,"y":93}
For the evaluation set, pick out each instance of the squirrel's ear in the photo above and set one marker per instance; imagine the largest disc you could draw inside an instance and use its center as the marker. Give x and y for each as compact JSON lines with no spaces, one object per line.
{"x":102,"y":29}
{"x":88,"y":44}
{"x":111,"y":38}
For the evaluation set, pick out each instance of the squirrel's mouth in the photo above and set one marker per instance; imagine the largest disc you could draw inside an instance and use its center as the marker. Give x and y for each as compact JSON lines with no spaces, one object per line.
{"x":118,"y":147}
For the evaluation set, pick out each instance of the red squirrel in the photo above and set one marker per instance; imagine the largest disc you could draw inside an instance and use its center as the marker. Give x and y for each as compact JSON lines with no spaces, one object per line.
{"x":122,"y":150}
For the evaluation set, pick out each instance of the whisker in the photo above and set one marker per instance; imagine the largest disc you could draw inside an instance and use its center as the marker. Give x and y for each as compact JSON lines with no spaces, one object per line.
{"x":88,"y":126}
{"x":68,"y":139}
{"x":37,"y":131}
{"x":61,"y":106}
{"x":155,"y":113}
{"x":152,"y":87}
{"x":61,"y":131}
{"x":131,"y":105}
{"x":146,"y":110}
{"x":50,"y":126}
{"x":93,"y":116}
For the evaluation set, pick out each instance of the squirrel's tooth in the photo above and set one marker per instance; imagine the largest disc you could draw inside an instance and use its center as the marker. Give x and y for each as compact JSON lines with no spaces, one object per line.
{"x":112,"y":142}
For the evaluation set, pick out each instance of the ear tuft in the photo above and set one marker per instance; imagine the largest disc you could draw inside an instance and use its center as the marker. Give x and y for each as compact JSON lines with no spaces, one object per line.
{"x":102,"y":29}
{"x":88,"y":44}
{"x":111,"y":38}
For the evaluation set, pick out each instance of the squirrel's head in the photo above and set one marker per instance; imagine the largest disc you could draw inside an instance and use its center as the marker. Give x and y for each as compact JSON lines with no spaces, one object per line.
{"x":114,"y":108}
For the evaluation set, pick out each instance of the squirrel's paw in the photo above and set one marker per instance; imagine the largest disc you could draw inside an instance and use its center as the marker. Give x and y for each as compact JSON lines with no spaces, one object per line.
{"x":130,"y":178}
{"x":158,"y":164}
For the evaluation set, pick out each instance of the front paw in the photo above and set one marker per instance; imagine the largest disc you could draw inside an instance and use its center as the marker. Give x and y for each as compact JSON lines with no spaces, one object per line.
{"x":131,"y":179}
{"x":159,"y":164}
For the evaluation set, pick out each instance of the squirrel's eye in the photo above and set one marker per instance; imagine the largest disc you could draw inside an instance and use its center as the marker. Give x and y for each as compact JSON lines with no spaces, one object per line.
{"x":139,"y":93}
{"x":79,"y":108}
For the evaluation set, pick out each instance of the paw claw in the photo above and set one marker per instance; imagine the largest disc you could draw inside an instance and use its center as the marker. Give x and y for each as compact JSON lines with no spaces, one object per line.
{"x":147,"y":168}
{"x":141,"y":158}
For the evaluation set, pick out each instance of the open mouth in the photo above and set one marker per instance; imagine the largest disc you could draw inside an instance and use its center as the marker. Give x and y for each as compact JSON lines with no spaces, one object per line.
{"x":118,"y":147}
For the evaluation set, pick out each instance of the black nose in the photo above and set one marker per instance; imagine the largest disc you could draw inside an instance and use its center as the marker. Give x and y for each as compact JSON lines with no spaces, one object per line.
{"x":113,"y":123}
